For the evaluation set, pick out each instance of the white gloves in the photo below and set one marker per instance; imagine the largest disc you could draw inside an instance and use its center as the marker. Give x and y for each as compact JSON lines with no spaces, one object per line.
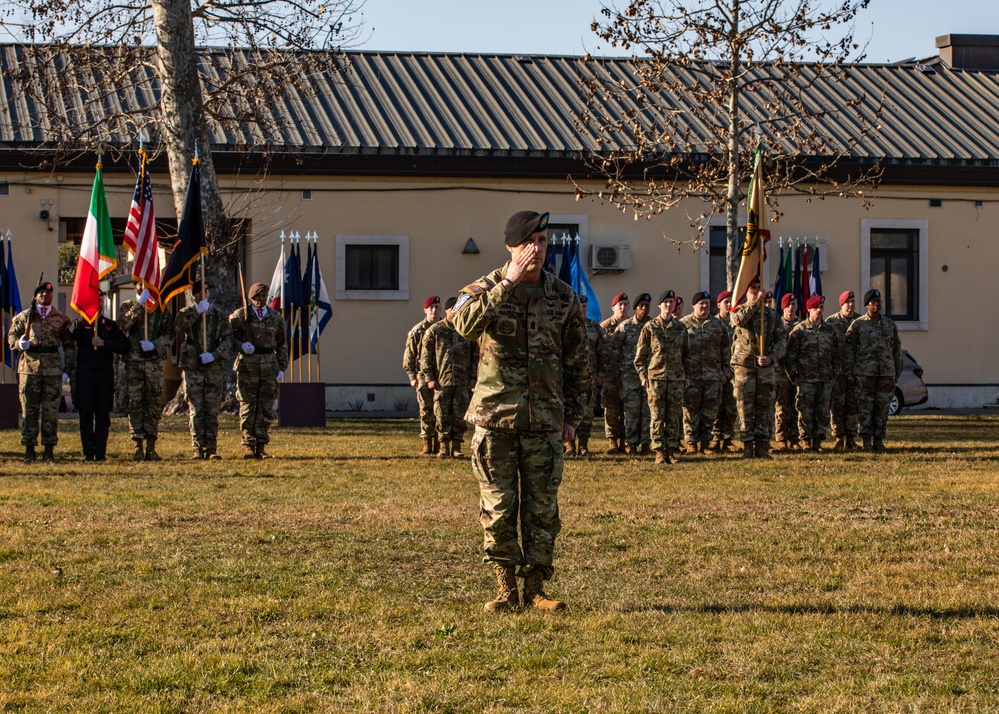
{"x":202,"y":307}
{"x":144,"y":298}
{"x":248,"y":348}
{"x":65,"y":377}
{"x":280,"y":375}
{"x":23,"y":344}
{"x":207,"y":358}
{"x":146,"y":345}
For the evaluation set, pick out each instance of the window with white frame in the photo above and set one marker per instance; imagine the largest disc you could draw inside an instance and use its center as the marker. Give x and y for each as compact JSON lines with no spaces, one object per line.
{"x":372,"y":267}
{"x":895,"y":260}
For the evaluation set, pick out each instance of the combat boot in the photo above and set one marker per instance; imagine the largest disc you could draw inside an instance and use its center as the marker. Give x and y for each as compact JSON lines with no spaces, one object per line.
{"x":212,"y":456}
{"x":29,"y":454}
{"x":48,"y":455}
{"x":794,"y":445}
{"x":138,"y":454}
{"x":661,"y":458}
{"x":631,"y":450}
{"x":840,"y":444}
{"x":690,"y":449}
{"x":817,"y":445}
{"x":444,"y":452}
{"x":151,"y":454}
{"x":197,"y":454}
{"x":261,"y":454}
{"x":763,"y":449}
{"x":714,"y":446}
{"x":867,"y":443}
{"x":748,"y":451}
{"x":879,"y":446}
{"x":251,"y":451}
{"x":706,"y":447}
{"x":730,"y":446}
{"x":456,"y":449}
{"x":851,"y":443}
{"x":534,"y":594}
{"x":615,"y":447}
{"x":569,"y":449}
{"x":670,"y":455}
{"x":782,"y":445}
{"x":507,"y":598}
{"x":584,"y":446}
{"x":428,"y":445}
{"x":644,"y":450}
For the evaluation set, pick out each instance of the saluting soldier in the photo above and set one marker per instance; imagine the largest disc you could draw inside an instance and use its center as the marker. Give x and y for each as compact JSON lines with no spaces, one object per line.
{"x":844,"y":391}
{"x":260,"y":364}
{"x":786,"y":422}
{"x":610,"y":394}
{"x":813,"y":355}
{"x":533,"y":377}
{"x":755,"y":370}
{"x":411,"y":363}
{"x":149,"y":335}
{"x":206,"y":349}
{"x":723,"y":431}
{"x":37,"y":333}
{"x":634,"y":401}
{"x":710,"y":347}
{"x":660,"y":360}
{"x":874,"y":350}
{"x":448,"y":364}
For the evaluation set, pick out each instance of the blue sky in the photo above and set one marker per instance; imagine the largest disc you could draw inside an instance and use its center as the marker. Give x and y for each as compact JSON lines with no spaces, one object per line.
{"x":898,"y":29}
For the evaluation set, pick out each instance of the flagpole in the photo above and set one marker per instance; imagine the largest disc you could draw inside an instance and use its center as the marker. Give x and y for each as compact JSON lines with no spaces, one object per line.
{"x":319,"y":361}
{"x":308,"y":237}
{"x":3,"y":313}
{"x":204,"y":296}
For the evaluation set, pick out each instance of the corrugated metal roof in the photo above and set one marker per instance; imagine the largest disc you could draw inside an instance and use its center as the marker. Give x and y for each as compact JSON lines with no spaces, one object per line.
{"x":502,"y":105}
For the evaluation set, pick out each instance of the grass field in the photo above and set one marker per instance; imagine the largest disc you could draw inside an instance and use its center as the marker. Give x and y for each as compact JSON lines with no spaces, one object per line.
{"x":345,"y":575}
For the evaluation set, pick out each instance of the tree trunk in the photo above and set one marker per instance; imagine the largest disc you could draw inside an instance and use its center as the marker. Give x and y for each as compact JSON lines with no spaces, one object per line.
{"x":732,"y":195}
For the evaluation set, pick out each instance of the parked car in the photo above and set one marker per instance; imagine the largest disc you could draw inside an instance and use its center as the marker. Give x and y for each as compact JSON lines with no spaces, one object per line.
{"x":910,"y":389}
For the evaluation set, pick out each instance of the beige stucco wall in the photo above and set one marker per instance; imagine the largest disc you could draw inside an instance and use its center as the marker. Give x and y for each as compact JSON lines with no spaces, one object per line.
{"x":363,"y":344}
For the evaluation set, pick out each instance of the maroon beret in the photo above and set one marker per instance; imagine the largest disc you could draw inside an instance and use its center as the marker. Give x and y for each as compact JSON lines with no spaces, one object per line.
{"x":846,"y":296}
{"x":814,"y":302}
{"x":724,"y":296}
{"x":786,"y":300}
{"x":618,"y":298}
{"x":432,"y":300}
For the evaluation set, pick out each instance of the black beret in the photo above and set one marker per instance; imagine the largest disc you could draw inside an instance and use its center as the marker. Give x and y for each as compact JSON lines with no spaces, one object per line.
{"x":47,"y":287}
{"x":522,"y":225}
{"x":703,"y":295}
{"x":449,"y":303}
{"x":644,"y":297}
{"x":871,"y":295}
{"x":666,"y":295}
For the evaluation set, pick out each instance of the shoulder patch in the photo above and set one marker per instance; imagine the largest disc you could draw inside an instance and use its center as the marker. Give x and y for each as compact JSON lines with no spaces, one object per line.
{"x":464,"y":299}
{"x":473,"y":289}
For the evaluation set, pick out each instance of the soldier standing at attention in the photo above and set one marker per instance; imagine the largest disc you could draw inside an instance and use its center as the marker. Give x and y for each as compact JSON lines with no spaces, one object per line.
{"x":37,"y":333}
{"x":754,"y":369}
{"x":150,"y":335}
{"x":813,"y":354}
{"x":96,"y":346}
{"x":875,"y":352}
{"x":611,"y":389}
{"x":844,"y":391}
{"x":448,"y":364}
{"x":411,"y":363}
{"x":660,"y":360}
{"x":707,"y":372}
{"x":723,"y":431}
{"x":634,"y":401}
{"x":678,"y":308}
{"x":260,"y":365}
{"x":203,"y":363}
{"x":786,"y":413}
{"x":596,"y":353}
{"x":533,"y":377}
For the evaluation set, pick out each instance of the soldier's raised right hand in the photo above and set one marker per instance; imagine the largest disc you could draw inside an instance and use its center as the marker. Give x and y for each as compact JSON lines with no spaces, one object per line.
{"x":248,"y":348}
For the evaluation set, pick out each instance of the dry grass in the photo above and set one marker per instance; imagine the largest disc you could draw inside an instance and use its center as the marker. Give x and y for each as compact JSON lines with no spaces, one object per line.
{"x":345,"y":575}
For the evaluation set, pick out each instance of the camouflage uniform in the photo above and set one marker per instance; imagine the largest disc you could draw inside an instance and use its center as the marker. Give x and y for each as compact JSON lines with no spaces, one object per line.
{"x":844,"y":389}
{"x":786,"y":415}
{"x":610,"y":397}
{"x":596,"y":353}
{"x":450,"y":360}
{"x":40,"y":371}
{"x":411,"y":363}
{"x":874,"y":351}
{"x":144,"y":370}
{"x":660,"y":361}
{"x":754,"y":385}
{"x":634,"y":401}
{"x":728,"y":413}
{"x":521,"y":401}
{"x":708,"y":367}
{"x":204,"y":383}
{"x":256,"y":374}
{"x":813,"y":354}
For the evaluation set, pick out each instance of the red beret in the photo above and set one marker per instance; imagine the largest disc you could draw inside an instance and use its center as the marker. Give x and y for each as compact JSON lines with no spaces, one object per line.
{"x":786,"y":300}
{"x":432,"y":300}
{"x":723,"y":296}
{"x":846,"y":296}
{"x":814,"y":302}
{"x":618,"y":298}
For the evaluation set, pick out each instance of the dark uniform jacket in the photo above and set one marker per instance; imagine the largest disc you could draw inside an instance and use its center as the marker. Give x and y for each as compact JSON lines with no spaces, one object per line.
{"x":98,"y":359}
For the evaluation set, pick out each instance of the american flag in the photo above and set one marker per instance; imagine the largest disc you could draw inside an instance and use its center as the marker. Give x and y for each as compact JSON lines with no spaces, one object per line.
{"x":140,"y":236}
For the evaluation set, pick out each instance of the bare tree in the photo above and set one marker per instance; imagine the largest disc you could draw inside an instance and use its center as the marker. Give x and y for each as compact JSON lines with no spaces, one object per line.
{"x":706,"y":74}
{"x":99,"y":72}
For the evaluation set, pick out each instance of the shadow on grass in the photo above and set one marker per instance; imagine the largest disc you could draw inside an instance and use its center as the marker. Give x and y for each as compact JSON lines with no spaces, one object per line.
{"x":896,"y":610}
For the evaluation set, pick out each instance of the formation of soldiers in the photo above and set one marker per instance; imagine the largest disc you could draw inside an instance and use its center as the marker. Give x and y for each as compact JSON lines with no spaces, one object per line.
{"x":49,"y":346}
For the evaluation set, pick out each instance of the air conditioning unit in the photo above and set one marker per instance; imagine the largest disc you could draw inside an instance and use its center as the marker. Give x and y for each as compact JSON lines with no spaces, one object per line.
{"x":610,"y":257}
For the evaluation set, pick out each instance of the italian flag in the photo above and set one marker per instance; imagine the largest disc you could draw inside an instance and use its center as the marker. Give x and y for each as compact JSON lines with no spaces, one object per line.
{"x":97,"y":254}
